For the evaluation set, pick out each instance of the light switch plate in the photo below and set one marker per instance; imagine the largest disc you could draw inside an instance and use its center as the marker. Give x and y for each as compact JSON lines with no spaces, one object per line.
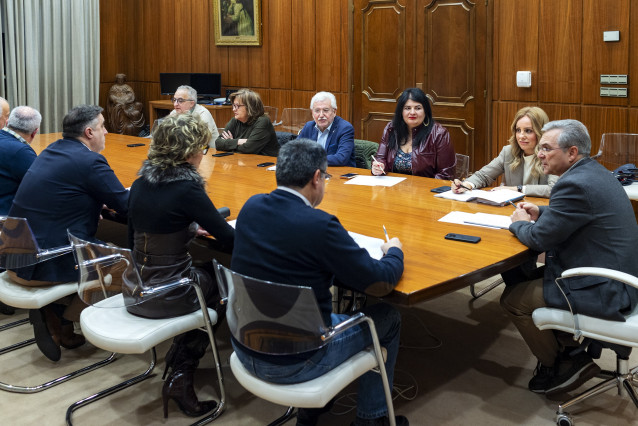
{"x":523,"y":79}
{"x":611,"y":35}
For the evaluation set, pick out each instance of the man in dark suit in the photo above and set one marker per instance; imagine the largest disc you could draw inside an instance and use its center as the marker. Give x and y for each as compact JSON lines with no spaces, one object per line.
{"x":65,"y":189}
{"x":282,"y":237}
{"x":589,"y":222}
{"x":16,"y":154}
{"x":333,"y":133}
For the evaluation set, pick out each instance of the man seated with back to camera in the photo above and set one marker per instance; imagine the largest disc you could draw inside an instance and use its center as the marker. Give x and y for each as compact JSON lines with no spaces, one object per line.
{"x":332,"y":132}
{"x":282,"y":237}
{"x":589,"y":222}
{"x":65,"y":189}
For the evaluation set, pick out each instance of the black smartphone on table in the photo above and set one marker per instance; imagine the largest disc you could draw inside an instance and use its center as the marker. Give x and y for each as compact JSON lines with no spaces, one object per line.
{"x":266,"y":164}
{"x":348,"y":175}
{"x":463,"y":238}
{"x":441,"y":189}
{"x":222,"y":154}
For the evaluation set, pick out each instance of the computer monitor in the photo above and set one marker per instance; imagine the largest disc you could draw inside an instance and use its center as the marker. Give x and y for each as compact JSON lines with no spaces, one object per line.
{"x":208,"y":85}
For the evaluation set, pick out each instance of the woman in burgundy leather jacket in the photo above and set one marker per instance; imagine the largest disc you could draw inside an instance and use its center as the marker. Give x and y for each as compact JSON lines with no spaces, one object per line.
{"x":413,"y":143}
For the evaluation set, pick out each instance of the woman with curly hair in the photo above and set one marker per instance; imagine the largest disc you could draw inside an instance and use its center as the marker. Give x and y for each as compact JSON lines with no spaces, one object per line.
{"x":168,"y":207}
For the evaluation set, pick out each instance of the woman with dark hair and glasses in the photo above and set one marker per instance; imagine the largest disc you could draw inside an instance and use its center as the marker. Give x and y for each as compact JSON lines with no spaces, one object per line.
{"x":168,"y":207}
{"x":250,"y":131}
{"x":413,"y":143}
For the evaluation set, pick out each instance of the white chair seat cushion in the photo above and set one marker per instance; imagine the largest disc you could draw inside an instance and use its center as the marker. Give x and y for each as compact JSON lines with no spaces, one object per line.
{"x":622,"y":333}
{"x":23,"y":297}
{"x":108,"y":325}
{"x":315,"y":393}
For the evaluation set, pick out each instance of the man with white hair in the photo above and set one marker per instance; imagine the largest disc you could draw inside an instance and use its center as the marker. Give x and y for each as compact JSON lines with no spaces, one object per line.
{"x":185,"y":100}
{"x":333,"y":133}
{"x":16,"y":154}
{"x":4,"y":112}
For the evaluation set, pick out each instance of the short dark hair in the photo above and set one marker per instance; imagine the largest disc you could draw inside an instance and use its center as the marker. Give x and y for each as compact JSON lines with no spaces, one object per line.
{"x":297,"y":162}
{"x":78,"y":119}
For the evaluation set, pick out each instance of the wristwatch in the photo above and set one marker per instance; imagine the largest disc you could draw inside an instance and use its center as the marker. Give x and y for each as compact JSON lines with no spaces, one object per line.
{"x":520,"y":188}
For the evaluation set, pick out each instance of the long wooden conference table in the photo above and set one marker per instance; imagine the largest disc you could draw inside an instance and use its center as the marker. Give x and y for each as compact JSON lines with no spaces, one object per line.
{"x":433,"y":265}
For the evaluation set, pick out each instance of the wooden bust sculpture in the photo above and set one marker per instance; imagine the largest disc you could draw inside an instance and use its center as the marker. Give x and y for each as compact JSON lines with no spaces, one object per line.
{"x":124,"y":115}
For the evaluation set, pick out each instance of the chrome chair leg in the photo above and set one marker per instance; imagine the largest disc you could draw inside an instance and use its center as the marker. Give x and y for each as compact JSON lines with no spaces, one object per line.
{"x":33,"y":389}
{"x":113,"y":389}
{"x":476,"y":294}
{"x":18,"y":345}
{"x":289,"y":414}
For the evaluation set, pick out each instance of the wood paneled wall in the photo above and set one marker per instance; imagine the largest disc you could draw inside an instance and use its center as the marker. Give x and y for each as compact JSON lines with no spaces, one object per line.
{"x":304,"y":50}
{"x":561,"y":43}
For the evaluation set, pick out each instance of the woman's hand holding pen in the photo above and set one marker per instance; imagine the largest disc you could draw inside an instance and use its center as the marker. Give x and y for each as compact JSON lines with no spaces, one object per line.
{"x":459,"y":187}
{"x":378,"y":168}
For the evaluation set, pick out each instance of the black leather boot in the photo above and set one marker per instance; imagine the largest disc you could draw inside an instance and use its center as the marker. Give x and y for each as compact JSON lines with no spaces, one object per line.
{"x":182,"y":359}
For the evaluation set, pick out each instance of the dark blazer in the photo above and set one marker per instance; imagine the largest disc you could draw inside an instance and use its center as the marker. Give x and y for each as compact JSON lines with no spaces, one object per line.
{"x":280,"y":238}
{"x":15,"y":159}
{"x":340,"y":143}
{"x":65,"y":188}
{"x":589,"y":222}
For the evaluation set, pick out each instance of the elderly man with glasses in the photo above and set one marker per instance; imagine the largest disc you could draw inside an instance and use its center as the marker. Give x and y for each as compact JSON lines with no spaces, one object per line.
{"x":589,"y":222}
{"x":333,"y":133}
{"x":185,"y":100}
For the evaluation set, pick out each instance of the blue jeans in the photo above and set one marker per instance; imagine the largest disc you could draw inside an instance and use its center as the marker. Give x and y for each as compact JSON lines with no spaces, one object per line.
{"x":371,"y":400}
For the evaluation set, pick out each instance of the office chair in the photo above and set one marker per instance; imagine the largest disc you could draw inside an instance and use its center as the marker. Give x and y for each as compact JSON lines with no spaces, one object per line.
{"x":19,"y":248}
{"x":293,"y":120}
{"x":617,"y":149}
{"x":271,"y":112}
{"x":286,"y":328}
{"x":462,"y":169}
{"x":109,"y":282}
{"x":621,"y":337}
{"x":363,"y":152}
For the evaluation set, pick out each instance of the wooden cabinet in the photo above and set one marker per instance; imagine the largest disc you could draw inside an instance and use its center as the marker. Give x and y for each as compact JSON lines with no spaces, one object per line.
{"x":158,"y":109}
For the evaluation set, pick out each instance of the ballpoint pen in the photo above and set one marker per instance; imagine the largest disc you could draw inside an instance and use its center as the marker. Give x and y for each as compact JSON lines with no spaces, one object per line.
{"x":515,"y":206}
{"x":386,"y":234}
{"x":374,"y":160}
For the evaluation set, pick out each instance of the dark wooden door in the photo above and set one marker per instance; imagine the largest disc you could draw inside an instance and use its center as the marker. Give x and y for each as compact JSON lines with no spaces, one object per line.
{"x":438,"y":46}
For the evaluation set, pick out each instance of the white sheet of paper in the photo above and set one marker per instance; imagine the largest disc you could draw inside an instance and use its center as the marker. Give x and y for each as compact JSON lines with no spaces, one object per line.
{"x":371,"y":244}
{"x":272,"y":168}
{"x":375,"y":180}
{"x":478,"y":219}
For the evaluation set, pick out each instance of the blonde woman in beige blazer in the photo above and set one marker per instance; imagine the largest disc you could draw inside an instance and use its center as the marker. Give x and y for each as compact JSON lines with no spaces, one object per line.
{"x":517,"y":162}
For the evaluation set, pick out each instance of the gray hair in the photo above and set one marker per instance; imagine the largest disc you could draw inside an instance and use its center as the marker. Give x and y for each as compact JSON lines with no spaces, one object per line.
{"x":24,"y":119}
{"x":573,"y":133}
{"x":78,"y":119}
{"x":192,"y":93}
{"x":297,"y":162}
{"x":324,"y":96}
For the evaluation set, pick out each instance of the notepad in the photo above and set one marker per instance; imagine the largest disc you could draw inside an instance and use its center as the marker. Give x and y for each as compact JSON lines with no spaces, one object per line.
{"x":375,"y":180}
{"x":478,"y":219}
{"x":499,"y":197}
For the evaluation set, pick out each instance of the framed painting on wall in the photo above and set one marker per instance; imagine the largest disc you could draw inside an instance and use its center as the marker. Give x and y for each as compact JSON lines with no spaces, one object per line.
{"x":237,"y":22}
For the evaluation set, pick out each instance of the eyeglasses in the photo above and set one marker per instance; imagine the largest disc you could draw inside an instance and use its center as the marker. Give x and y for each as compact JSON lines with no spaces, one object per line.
{"x":180,"y":100}
{"x":325,"y":175}
{"x":318,"y":111}
{"x":547,"y":149}
{"x":237,"y":106}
